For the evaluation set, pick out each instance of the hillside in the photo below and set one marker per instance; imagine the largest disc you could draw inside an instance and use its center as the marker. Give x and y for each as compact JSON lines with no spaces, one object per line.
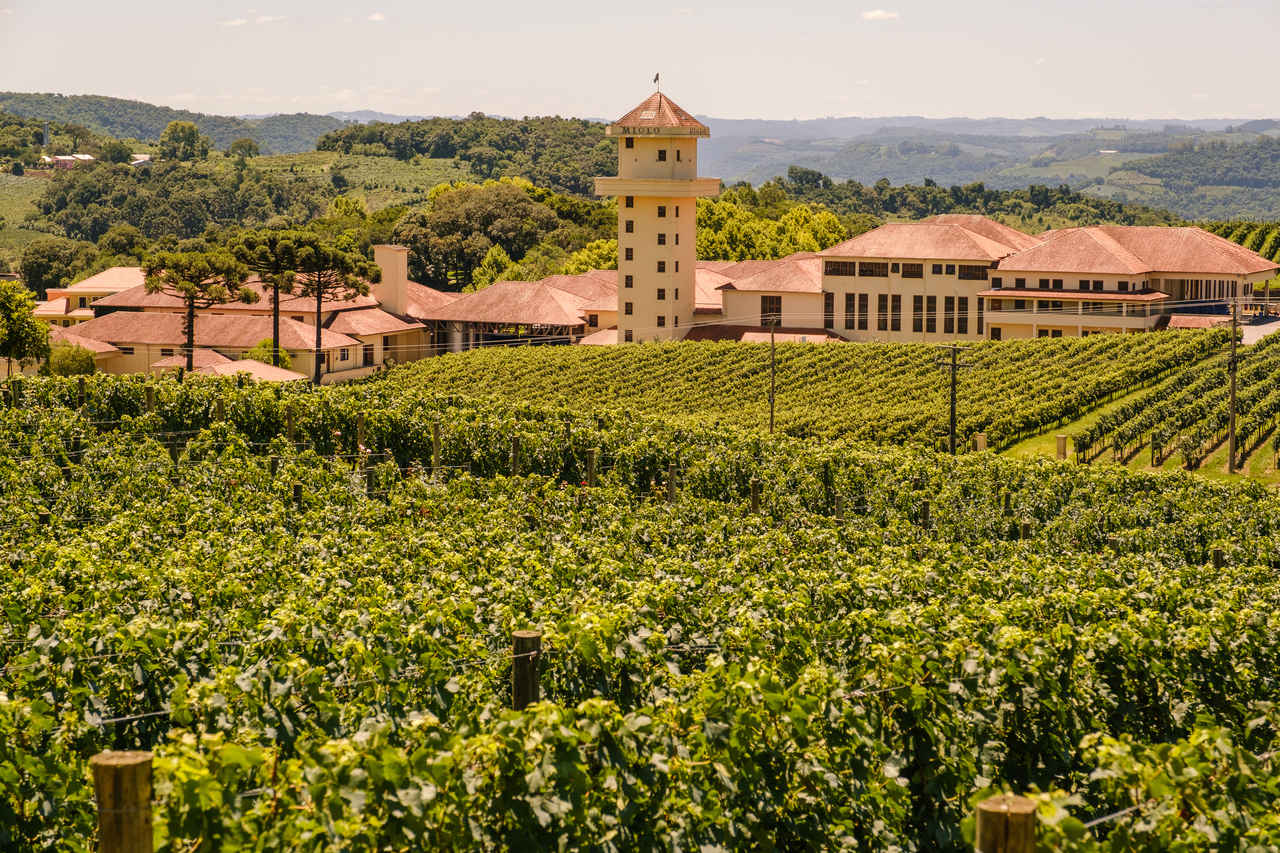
{"x":125,"y":119}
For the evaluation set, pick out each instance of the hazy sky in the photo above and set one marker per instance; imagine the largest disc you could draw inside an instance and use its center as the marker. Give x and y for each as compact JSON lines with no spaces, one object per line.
{"x":1064,"y":58}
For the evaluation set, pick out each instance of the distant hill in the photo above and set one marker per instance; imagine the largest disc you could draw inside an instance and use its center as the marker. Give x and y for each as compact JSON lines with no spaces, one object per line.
{"x":125,"y":119}
{"x":366,"y":116}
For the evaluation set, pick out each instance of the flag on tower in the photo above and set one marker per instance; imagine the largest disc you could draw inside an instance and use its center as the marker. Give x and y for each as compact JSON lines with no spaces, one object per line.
{"x":655,"y":79}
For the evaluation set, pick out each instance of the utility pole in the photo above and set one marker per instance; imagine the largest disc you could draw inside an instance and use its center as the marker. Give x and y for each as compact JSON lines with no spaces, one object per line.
{"x":955,"y":366}
{"x":773,"y":371}
{"x":1231,"y":365}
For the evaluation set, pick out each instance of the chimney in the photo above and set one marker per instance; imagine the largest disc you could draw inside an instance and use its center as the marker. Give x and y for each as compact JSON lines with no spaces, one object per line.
{"x":392,"y":292}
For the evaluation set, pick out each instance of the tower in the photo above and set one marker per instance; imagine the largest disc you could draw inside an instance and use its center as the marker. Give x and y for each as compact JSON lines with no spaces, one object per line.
{"x":657,"y":189}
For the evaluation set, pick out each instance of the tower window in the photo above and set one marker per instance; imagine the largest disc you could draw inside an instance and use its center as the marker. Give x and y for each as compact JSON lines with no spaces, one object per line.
{"x":677,"y":211}
{"x":677,"y":238}
{"x":630,"y":143}
{"x":628,"y":281}
{"x":662,"y":210}
{"x":677,"y":293}
{"x":631,"y":201}
{"x":629,"y":253}
{"x":631,"y":226}
{"x":662,"y":155}
{"x":677,"y":266}
{"x":675,"y":321}
{"x":662,"y":293}
{"x":626,"y":308}
{"x":662,"y":239}
{"x":677,"y":155}
{"x":662,"y":322}
{"x":662,"y":266}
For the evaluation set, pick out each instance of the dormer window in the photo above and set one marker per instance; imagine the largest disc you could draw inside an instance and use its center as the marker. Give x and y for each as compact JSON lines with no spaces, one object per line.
{"x":662,"y":155}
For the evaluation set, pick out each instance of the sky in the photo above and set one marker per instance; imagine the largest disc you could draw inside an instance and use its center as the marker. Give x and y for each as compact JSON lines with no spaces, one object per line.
{"x":811,"y":58}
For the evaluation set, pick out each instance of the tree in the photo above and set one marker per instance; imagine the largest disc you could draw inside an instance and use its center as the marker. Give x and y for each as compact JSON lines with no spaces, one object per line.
{"x":50,"y":261}
{"x":329,"y":272}
{"x":23,"y":338}
{"x":273,"y":255}
{"x":122,"y":240}
{"x":494,"y":264}
{"x":182,"y":140}
{"x":243,"y":149}
{"x":266,"y":350}
{"x":201,"y":279}
{"x":69,"y":360}
{"x":115,"y":151}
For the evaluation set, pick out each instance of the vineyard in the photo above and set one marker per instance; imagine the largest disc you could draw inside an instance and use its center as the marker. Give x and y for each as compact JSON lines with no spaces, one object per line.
{"x":887,"y":393}
{"x":1260,"y":237}
{"x":303,"y":602}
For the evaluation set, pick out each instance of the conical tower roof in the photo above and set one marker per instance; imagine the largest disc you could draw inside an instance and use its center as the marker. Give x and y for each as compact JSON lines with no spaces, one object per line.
{"x":659,"y":113}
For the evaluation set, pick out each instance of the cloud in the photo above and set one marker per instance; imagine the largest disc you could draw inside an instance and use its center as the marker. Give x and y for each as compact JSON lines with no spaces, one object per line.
{"x":879,"y":15}
{"x":377,"y":17}
{"x":1041,"y":61}
{"x":268,"y":19}
{"x":235,"y":22}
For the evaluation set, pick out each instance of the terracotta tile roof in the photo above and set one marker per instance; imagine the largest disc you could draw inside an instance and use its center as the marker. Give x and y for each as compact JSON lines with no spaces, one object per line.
{"x":52,"y":308}
{"x":715,"y":266}
{"x":368,"y":321}
{"x":923,"y":241}
{"x":220,"y":330}
{"x":815,"y":336}
{"x":425,"y":301}
{"x":1196,"y":321}
{"x":1137,"y":250}
{"x":658,"y":110}
{"x":257,"y":370}
{"x":63,"y":335}
{"x":987,"y":227}
{"x":589,"y":287}
{"x":707,"y":298}
{"x":114,"y":278}
{"x":802,"y":275}
{"x":200,"y":357}
{"x":515,"y":302}
{"x":137,"y":297}
{"x":603,"y":338}
{"x":1075,"y":295}
{"x":740,"y":333}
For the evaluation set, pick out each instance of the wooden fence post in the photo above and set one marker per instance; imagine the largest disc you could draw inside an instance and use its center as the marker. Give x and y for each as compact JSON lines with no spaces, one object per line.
{"x":220,"y":410}
{"x":671,"y":482}
{"x":297,"y":494}
{"x":1062,"y":447}
{"x":591,"y":467}
{"x":151,"y":398}
{"x":1219,"y":558}
{"x":755,"y":494}
{"x":515,"y":456}
{"x":839,"y":507}
{"x":526,"y":648}
{"x":122,"y":783}
{"x":80,"y":393}
{"x":435,"y":448}
{"x":359,"y":431}
{"x":370,"y":478}
{"x":1006,"y":824}
{"x":1024,"y":530}
{"x":980,"y":442}
{"x":924,"y":514}
{"x":288,"y":425}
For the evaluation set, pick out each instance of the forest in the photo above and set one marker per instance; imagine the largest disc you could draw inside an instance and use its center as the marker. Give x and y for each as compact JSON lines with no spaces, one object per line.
{"x":1216,"y":164}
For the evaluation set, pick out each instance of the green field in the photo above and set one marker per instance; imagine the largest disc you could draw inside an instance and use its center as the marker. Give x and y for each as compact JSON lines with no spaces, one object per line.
{"x":379,"y":181}
{"x":17,"y":199}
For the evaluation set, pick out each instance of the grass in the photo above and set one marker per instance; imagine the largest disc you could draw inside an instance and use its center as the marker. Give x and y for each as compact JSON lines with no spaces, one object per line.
{"x":1094,"y":166}
{"x":18,"y":195}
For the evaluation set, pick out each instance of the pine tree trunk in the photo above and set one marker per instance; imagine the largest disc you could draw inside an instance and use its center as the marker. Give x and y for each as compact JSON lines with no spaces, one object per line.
{"x":275,"y":322}
{"x":191,"y":335}
{"x":319,"y":303}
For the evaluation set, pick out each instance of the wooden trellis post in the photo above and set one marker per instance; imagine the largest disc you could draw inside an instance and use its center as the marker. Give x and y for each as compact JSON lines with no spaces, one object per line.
{"x":151,"y":398}
{"x":80,"y":392}
{"x":122,"y":783}
{"x":526,"y":648}
{"x":435,"y":449}
{"x":1006,"y":824}
{"x":591,"y":467}
{"x":1062,"y":448}
{"x":980,"y":442}
{"x":671,"y":483}
{"x":515,"y":456}
{"x":755,"y":494}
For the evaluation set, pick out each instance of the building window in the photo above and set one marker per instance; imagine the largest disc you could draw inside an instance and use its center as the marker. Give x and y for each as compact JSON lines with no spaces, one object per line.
{"x":629,"y":254}
{"x":840,"y":268}
{"x":828,"y":310}
{"x":937,"y":269}
{"x":677,"y":238}
{"x":593,"y":320}
{"x":949,"y":315}
{"x":662,"y":239}
{"x":962,"y":315}
{"x":677,"y":293}
{"x":662,"y":321}
{"x":344,"y":354}
{"x":628,"y":281}
{"x":1043,"y":333}
{"x":850,"y":311}
{"x":895,"y":313}
{"x":917,"y":313}
{"x":770,"y":311}
{"x":677,"y":211}
{"x":1044,"y":284}
{"x":626,"y":335}
{"x":678,"y":155}
{"x":931,"y":314}
{"x":662,"y":211}
{"x":626,"y":308}
{"x":893,"y":267}
{"x":84,"y":301}
{"x":1123,"y":287}
{"x":662,"y":293}
{"x":1057,"y":284}
{"x":951,"y":269}
{"x":125,"y":350}
{"x":631,"y":143}
{"x":677,"y":266}
{"x":1019,"y":282}
{"x":1097,"y":285}
{"x":675,"y":321}
{"x":913,"y":270}
{"x":997,"y":283}
{"x":1084,"y":284}
{"x":980,"y":316}
{"x":662,"y":155}
{"x":166,"y":352}
{"x":863,"y":310}
{"x":873,"y":269}
{"x":631,"y":201}
{"x":630,"y":226}
{"x":996,"y":305}
{"x":882,"y":312}
{"x":970,"y":272}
